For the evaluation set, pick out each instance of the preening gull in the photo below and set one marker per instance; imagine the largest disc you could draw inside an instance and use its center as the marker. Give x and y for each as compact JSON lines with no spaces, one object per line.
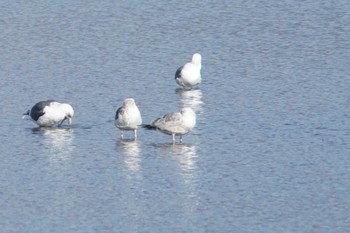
{"x":189,"y":75}
{"x":50,"y":112}
{"x":175,"y":123}
{"x":128,"y":117}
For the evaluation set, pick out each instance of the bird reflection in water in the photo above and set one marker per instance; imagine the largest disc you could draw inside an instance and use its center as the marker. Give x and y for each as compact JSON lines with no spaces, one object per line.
{"x":131,"y":151}
{"x":186,"y":156}
{"x":191,"y":98}
{"x":57,"y":141}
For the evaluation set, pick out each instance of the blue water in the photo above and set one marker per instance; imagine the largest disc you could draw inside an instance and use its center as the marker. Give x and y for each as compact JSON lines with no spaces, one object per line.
{"x":270,"y":151}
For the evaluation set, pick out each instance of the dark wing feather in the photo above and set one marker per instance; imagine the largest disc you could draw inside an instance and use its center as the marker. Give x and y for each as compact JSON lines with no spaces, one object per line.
{"x":119,"y":111}
{"x":38,"y":109}
{"x":178,"y":72}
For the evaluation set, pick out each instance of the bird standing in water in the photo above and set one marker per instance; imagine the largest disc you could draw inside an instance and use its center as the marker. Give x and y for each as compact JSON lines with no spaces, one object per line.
{"x":128,"y":117}
{"x":50,"y":112}
{"x":175,"y":123}
{"x":189,"y":75}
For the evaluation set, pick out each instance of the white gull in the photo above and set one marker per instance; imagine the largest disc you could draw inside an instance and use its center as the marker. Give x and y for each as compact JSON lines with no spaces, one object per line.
{"x":50,"y":112}
{"x":175,"y":123}
{"x":189,"y":75}
{"x":128,"y":117}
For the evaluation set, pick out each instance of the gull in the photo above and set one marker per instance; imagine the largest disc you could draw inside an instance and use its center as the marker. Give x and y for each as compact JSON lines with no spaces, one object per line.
{"x":50,"y":112}
{"x":174,"y":123}
{"x":189,"y":75}
{"x":128,"y":117}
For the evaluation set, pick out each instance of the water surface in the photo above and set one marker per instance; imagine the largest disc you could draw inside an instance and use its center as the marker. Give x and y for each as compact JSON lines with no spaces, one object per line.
{"x":270,"y":149}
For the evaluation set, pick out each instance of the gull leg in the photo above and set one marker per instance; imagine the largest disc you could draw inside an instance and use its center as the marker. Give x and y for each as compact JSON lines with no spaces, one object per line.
{"x":135,"y":134}
{"x":60,"y":124}
{"x":121,"y":134}
{"x":174,"y":140}
{"x":180,"y":138}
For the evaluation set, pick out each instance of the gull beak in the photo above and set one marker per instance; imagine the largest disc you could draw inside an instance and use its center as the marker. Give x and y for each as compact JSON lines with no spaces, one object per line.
{"x":69,"y":120}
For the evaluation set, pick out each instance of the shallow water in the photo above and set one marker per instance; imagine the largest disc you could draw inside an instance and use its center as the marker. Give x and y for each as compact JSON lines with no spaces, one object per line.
{"x":270,"y":149}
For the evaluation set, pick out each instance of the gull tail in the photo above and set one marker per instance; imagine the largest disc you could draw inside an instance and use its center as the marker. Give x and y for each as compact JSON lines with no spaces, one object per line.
{"x":24,"y":115}
{"x":150,"y":127}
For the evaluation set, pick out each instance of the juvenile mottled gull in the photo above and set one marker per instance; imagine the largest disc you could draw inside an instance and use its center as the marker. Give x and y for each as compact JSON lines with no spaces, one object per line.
{"x":189,"y":74}
{"x":175,"y":123}
{"x":50,"y":112}
{"x":128,"y":117}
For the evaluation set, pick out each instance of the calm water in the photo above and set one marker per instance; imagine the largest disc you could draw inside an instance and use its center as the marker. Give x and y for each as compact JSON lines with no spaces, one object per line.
{"x":270,"y":152}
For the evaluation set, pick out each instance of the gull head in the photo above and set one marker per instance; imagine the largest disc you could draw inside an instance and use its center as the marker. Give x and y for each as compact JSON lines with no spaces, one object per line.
{"x":69,"y":113}
{"x":129,"y":102}
{"x":196,"y":58}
